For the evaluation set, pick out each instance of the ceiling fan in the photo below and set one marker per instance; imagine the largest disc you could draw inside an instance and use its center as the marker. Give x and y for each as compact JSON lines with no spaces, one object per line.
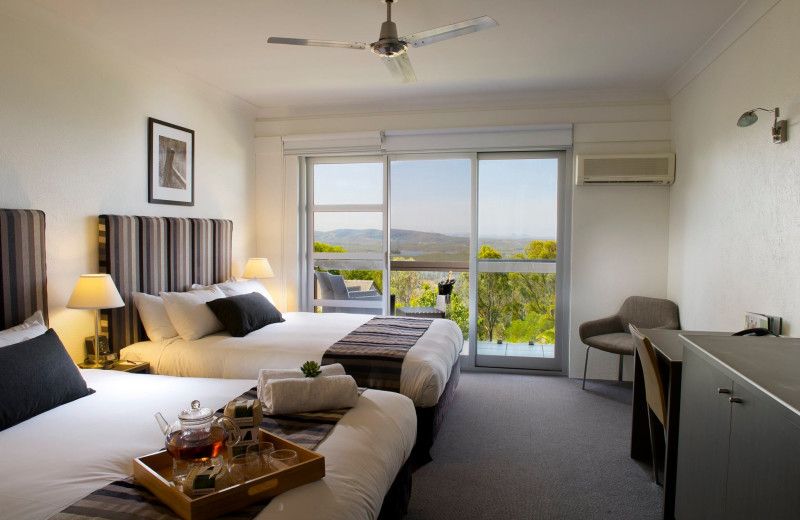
{"x":392,"y":49}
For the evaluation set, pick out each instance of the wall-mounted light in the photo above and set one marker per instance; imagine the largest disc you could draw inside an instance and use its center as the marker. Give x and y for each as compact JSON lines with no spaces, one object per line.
{"x":779,"y":128}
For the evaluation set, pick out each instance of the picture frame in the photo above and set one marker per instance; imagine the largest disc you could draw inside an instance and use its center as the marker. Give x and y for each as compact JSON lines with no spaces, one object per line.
{"x":170,"y":151}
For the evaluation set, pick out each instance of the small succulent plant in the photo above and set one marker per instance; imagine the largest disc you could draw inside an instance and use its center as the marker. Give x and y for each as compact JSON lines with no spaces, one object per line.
{"x":311,"y":369}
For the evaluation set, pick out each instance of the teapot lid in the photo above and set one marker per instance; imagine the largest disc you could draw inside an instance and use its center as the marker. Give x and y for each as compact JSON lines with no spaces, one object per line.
{"x":195,"y":413}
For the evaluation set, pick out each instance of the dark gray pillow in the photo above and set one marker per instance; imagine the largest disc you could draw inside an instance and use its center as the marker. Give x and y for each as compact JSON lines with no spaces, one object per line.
{"x":35,"y":376}
{"x":245,"y":313}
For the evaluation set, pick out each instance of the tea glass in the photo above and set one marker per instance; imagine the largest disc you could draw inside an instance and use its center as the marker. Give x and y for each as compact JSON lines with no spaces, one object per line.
{"x":261,"y":451}
{"x":282,"y":459}
{"x":243,"y":467}
{"x":181,"y":468}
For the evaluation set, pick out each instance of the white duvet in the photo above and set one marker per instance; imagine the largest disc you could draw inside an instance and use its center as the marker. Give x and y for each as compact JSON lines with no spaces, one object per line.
{"x":60,"y":456}
{"x":304,"y":336}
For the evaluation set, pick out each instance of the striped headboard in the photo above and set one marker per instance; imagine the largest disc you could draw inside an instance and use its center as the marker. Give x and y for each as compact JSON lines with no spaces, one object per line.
{"x":23,"y":266}
{"x":152,"y":254}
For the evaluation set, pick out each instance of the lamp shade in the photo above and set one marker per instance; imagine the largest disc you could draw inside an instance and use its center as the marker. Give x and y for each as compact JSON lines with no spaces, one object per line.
{"x":95,"y":291}
{"x":258,"y":268}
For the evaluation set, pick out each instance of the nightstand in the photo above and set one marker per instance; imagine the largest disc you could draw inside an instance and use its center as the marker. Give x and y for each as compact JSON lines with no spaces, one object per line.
{"x":142,"y":367}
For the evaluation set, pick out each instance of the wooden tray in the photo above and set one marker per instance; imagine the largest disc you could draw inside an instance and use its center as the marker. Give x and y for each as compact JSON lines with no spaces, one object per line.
{"x":154,"y":472}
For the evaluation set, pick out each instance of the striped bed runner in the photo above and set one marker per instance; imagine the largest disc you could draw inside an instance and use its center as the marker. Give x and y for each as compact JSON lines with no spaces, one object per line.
{"x":126,"y":500}
{"x":373,"y":353}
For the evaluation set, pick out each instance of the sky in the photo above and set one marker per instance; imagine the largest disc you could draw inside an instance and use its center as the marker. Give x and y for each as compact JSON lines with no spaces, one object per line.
{"x":517,"y":198}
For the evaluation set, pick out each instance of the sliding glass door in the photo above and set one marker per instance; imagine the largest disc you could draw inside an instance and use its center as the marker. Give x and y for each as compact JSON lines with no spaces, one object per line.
{"x":383,"y":232}
{"x":430,"y":215}
{"x":346,"y":235}
{"x":515,"y":264}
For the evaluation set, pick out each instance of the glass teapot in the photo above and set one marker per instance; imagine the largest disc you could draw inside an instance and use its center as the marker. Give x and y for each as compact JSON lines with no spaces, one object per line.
{"x":197,"y":435}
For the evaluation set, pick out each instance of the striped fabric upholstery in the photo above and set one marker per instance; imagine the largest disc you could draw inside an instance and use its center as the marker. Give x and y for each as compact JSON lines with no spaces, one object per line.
{"x":23,"y":266}
{"x":223,"y":241}
{"x":180,"y":254}
{"x":203,"y":259}
{"x":153,"y":254}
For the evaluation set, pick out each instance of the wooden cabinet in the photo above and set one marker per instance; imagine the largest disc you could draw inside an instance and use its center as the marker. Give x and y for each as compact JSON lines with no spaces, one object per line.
{"x":739,"y":444}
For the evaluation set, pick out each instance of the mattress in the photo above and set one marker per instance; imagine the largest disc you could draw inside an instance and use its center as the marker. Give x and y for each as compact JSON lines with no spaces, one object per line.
{"x":302,"y":337}
{"x":60,"y":456}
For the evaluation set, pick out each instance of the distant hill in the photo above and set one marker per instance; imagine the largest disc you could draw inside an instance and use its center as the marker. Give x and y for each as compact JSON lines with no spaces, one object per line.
{"x":416,"y":244}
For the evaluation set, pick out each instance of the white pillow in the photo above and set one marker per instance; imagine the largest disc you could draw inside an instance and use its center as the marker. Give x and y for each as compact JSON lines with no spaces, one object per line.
{"x":245,"y":287}
{"x":154,"y":316}
{"x":28,"y":329}
{"x":189,"y":313}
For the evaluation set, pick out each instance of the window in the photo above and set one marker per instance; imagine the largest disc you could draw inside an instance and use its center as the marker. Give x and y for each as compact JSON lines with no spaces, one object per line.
{"x":347,"y":235}
{"x":383,"y":231}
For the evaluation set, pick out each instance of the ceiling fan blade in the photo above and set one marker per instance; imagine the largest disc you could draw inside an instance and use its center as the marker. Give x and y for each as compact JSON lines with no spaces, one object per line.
{"x":400,"y":67}
{"x":449,"y":31}
{"x":318,"y":43}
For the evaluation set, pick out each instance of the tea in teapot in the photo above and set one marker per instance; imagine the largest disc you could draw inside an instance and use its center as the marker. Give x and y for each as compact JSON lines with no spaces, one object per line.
{"x":197,"y":436}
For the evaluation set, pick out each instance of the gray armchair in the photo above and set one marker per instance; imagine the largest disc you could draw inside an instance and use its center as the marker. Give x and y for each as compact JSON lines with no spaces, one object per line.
{"x":333,"y":287}
{"x":612,"y":334}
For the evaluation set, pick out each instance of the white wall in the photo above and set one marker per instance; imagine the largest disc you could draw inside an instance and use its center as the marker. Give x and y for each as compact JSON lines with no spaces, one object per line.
{"x":607,"y":221}
{"x":735,"y":209}
{"x":73,"y":143}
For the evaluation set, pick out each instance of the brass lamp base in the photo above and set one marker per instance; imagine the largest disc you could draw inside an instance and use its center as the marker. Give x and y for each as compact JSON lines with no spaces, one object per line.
{"x":89,"y":364}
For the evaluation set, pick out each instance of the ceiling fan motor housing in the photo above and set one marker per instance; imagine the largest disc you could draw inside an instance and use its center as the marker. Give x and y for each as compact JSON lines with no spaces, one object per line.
{"x":389,"y":44}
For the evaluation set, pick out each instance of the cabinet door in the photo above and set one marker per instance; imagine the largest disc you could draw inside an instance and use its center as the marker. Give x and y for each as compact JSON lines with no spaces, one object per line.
{"x":764,"y":458}
{"x":702,"y":441}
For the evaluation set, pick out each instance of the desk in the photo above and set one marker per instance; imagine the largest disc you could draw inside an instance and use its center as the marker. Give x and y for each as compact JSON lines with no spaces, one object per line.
{"x":669,"y":350}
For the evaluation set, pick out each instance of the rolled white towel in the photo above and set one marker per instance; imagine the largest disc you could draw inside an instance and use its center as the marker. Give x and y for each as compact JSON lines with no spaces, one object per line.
{"x":267,"y":374}
{"x":309,"y":394}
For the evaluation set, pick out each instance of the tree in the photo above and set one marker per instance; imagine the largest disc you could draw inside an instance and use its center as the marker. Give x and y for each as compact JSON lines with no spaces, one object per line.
{"x":537,"y":291}
{"x":494,"y":296}
{"x":322,"y":247}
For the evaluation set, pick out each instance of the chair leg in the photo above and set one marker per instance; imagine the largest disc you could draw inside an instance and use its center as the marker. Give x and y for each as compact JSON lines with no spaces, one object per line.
{"x":653,"y":455}
{"x":585,"y":365}
{"x":619,"y":376}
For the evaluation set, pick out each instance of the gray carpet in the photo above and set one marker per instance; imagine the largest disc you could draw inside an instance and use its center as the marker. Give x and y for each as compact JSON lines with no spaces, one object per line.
{"x":535,"y":447}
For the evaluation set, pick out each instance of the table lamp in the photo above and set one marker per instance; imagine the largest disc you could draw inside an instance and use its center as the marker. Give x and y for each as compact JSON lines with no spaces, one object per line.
{"x":258,"y":268}
{"x":95,"y":291}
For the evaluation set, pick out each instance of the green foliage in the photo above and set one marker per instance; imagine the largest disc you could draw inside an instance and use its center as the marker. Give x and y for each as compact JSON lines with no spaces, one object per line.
{"x":321,"y":247}
{"x":539,"y":328}
{"x":488,"y":252}
{"x":311,"y":369}
{"x":516,"y":307}
{"x":495,"y":294}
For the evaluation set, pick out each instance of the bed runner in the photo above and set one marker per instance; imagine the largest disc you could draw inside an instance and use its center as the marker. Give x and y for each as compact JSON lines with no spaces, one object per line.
{"x":124,"y":499}
{"x":373,"y":353}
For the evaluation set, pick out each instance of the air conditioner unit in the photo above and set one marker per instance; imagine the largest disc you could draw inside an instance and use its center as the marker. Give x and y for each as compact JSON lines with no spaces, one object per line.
{"x":654,"y":168}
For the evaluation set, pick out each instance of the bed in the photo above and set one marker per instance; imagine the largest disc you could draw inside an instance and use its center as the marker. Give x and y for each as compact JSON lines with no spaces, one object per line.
{"x":66,"y":453}
{"x":154,"y":254}
{"x":303,"y":336}
{"x":57,"y":456}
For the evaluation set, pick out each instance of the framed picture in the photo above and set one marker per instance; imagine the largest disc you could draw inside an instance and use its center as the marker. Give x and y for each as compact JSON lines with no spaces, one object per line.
{"x":170,"y":152}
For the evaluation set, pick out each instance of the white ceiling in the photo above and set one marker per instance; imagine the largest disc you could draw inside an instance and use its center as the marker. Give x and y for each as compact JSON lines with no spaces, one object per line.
{"x":543,"y":49}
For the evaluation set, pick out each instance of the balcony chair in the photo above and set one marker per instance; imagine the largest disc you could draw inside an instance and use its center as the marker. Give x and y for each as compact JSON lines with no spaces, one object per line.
{"x":654,"y":392}
{"x":333,"y":287}
{"x":612,"y":335}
